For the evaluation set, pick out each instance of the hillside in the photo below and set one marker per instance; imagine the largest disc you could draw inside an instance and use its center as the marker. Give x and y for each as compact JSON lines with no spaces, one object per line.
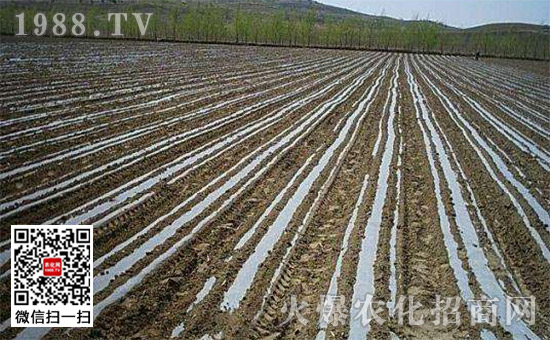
{"x":509,"y":28}
{"x":299,"y":6}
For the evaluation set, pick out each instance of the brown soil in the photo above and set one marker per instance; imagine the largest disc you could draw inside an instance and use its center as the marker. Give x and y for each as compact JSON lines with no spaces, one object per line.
{"x":33,"y":96}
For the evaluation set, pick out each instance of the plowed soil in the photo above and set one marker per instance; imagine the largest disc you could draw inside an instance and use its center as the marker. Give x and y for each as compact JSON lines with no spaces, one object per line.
{"x":226,"y":183}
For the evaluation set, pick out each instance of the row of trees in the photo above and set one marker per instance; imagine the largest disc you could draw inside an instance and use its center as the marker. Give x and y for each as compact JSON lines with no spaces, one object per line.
{"x":209,"y":23}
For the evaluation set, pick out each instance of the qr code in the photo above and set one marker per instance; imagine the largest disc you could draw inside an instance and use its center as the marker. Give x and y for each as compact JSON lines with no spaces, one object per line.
{"x":52,"y":266}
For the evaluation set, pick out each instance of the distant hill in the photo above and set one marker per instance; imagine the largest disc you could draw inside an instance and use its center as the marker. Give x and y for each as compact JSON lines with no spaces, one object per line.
{"x":510,"y":28}
{"x":298,"y":23}
{"x":300,"y":7}
{"x":323,"y":10}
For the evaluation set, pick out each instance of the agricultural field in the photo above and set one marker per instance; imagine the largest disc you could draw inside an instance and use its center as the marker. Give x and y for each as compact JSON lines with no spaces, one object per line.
{"x":226,"y":184}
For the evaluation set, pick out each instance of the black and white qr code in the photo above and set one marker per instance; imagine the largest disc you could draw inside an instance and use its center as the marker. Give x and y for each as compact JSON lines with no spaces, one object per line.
{"x":51,"y":272}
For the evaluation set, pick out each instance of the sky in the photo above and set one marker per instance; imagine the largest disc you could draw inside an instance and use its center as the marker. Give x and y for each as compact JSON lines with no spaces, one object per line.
{"x":458,"y":13}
